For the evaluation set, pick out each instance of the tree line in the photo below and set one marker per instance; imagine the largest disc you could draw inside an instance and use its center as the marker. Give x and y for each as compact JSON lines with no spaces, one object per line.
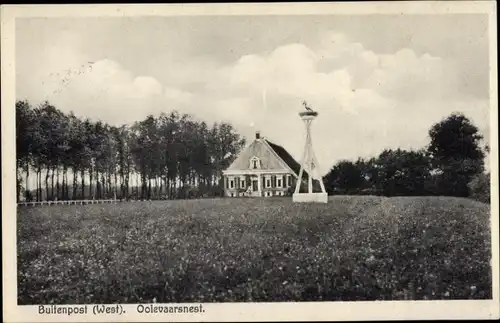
{"x":176,"y":156}
{"x":452,"y":164}
{"x":169,"y":156}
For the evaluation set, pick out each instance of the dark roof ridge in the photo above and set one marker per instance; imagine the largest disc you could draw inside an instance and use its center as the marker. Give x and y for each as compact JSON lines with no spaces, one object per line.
{"x":286,"y":157}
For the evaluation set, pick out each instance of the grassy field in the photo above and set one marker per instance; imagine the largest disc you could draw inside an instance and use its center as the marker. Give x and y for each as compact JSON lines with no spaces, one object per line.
{"x":354,"y":248}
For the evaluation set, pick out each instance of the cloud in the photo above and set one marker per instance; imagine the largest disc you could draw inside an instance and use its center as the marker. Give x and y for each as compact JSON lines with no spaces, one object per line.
{"x":367,"y":101}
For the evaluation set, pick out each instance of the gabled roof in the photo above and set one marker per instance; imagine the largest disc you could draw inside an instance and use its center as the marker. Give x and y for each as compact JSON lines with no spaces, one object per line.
{"x":286,"y":157}
{"x":272,"y":156}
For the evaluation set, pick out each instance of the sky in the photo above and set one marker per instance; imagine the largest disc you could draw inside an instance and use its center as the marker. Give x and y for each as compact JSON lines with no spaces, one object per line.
{"x":377,"y":81}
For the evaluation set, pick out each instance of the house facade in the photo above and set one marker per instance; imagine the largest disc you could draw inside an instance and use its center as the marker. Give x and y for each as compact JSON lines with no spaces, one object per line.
{"x":261,"y":169}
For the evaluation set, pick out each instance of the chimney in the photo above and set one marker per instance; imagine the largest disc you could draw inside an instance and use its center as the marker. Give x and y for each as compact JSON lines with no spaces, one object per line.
{"x":257,"y":135}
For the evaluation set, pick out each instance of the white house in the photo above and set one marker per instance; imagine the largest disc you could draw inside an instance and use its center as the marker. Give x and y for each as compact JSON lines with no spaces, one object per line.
{"x":261,"y":169}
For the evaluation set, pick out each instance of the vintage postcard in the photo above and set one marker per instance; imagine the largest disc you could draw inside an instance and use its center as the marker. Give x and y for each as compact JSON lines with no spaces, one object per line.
{"x":250,"y":162}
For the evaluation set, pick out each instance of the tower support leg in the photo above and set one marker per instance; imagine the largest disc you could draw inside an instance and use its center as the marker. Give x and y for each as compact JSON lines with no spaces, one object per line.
{"x":310,"y":163}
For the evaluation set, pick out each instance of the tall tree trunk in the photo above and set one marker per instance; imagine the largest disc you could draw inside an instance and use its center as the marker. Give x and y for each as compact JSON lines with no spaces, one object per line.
{"x":64,"y":184}
{"x":27,"y":181}
{"x":133,"y":178}
{"x":47,"y":184}
{"x":172,"y":188}
{"x":82,"y":174}
{"x":157,"y":191}
{"x":75,"y":175}
{"x":110,"y":185}
{"x":127,"y":182}
{"x":124,"y":186}
{"x":161,"y":188}
{"x":57,"y":185}
{"x":40,"y":186}
{"x":143,"y":186}
{"x":137,"y":185}
{"x":38,"y":183}
{"x":97,"y":185}
{"x":175,"y":193}
{"x":116,"y":185}
{"x":140,"y":186}
{"x":127,"y":185}
{"x":52,"y":184}
{"x":154,"y":189}
{"x":149,"y":188}
{"x":168,"y":188}
{"x":91,"y":185}
{"x":66,"y":194}
{"x":119,"y":188}
{"x":67,"y":186}
{"x":103,"y":186}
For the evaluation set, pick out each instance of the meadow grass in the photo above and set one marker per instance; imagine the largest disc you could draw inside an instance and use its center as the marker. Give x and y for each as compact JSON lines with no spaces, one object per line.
{"x":214,"y":250}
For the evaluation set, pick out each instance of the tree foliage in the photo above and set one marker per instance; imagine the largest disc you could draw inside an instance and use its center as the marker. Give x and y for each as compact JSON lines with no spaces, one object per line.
{"x":453,"y":158}
{"x":392,"y":173}
{"x":169,"y":156}
{"x":346,"y":177}
{"x":456,"y":153}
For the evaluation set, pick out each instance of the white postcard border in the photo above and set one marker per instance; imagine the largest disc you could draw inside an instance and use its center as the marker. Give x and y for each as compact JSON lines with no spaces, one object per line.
{"x":377,"y":310}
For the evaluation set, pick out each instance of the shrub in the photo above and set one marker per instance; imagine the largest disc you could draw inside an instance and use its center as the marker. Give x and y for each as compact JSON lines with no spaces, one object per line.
{"x":479,"y":188}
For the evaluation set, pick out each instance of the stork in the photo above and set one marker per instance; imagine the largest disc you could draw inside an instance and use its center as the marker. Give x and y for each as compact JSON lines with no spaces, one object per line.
{"x":304,"y":103}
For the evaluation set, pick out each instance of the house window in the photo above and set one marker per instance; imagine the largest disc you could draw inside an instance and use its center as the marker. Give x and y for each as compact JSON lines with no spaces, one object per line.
{"x":242,"y":182}
{"x":231,"y":183}
{"x":279,"y":181}
{"x":289,"y":180}
{"x":268,"y":182}
{"x":254,"y":163}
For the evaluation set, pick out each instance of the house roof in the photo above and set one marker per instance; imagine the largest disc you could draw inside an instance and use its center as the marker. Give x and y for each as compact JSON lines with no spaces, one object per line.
{"x":271,"y":155}
{"x":286,"y":157}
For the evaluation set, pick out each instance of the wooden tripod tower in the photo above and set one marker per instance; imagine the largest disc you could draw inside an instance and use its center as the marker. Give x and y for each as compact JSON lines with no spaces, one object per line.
{"x":310,"y":164}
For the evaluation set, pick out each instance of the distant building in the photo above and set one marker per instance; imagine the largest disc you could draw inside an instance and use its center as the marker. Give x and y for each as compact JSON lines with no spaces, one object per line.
{"x":261,"y":169}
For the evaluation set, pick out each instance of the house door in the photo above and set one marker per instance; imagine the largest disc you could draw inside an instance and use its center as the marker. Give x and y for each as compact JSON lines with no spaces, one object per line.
{"x":255,"y":186}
